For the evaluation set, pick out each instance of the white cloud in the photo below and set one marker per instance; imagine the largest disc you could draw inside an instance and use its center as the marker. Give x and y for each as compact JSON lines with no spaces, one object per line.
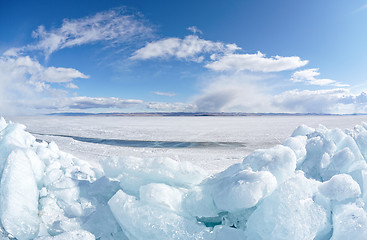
{"x":12,"y":52}
{"x":115,"y":26}
{"x":167,"y":94}
{"x":26,"y":86}
{"x":58,"y":75}
{"x":170,"y":107}
{"x":194,"y":30}
{"x":21,"y":75}
{"x":84,"y":103}
{"x":244,"y":92}
{"x":24,"y":68}
{"x":98,"y":102}
{"x":256,"y":63}
{"x":234,"y":92}
{"x":222,"y":58}
{"x":25,"y":79}
{"x":190,"y":48}
{"x":337,"y":100}
{"x":71,"y":86}
{"x":309,"y":76}
{"x":62,"y":104}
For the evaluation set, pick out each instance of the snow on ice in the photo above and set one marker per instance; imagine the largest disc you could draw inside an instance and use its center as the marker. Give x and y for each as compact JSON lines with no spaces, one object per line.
{"x":313,"y":186}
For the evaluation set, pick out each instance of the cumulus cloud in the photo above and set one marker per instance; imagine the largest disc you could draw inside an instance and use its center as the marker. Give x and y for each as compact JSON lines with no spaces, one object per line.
{"x":115,"y":26}
{"x":25,"y":84}
{"x":222,"y":56}
{"x":25,"y":78}
{"x":337,"y":100}
{"x":25,"y":68}
{"x":167,"y":94}
{"x":27,"y":87}
{"x":309,"y":76}
{"x":257,"y":62}
{"x":190,"y":48}
{"x":238,"y":83}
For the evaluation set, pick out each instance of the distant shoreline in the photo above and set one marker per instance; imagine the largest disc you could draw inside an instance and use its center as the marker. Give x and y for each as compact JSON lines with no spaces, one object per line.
{"x":199,"y":114}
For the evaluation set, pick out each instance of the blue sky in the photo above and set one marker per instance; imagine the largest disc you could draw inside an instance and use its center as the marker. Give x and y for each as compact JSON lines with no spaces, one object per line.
{"x":218,"y":56}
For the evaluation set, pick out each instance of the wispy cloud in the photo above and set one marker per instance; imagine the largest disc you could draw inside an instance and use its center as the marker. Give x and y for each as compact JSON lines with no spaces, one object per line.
{"x":114,"y":26}
{"x":194,"y":30}
{"x":233,"y":92}
{"x":25,"y":84}
{"x":361,"y":8}
{"x":250,"y":92}
{"x":191,"y":48}
{"x":238,"y":80}
{"x":167,"y":94}
{"x":101,"y":102}
{"x":238,"y":83}
{"x":309,"y":76}
{"x":60,"y":104}
{"x":71,"y":86}
{"x":257,"y":62}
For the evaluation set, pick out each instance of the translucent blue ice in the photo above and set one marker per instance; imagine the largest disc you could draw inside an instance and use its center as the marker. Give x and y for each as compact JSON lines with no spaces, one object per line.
{"x":313,"y":186}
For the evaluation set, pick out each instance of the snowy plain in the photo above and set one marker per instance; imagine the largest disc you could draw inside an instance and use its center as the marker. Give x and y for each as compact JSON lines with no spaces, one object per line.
{"x":251,"y":132}
{"x":305,"y":183}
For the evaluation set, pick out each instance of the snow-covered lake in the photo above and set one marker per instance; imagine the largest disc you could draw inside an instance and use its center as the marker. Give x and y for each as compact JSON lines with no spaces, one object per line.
{"x":213,"y":143}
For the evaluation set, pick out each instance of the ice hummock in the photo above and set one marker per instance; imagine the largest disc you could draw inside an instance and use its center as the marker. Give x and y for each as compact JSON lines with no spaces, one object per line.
{"x":313,"y":186}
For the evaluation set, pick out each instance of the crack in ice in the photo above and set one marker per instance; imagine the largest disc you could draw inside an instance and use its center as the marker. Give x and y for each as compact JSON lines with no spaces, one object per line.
{"x":150,"y":144}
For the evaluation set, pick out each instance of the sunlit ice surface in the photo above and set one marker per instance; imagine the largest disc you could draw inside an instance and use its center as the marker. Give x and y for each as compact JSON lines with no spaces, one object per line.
{"x":312,"y":185}
{"x":213,"y":143}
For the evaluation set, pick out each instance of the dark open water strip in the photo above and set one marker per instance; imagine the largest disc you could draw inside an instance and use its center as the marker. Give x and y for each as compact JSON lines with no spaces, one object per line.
{"x":151,"y":144}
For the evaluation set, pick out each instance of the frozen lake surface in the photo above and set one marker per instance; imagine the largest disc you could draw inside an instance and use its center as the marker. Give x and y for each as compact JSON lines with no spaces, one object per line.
{"x":213,"y":143}
{"x":313,"y":186}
